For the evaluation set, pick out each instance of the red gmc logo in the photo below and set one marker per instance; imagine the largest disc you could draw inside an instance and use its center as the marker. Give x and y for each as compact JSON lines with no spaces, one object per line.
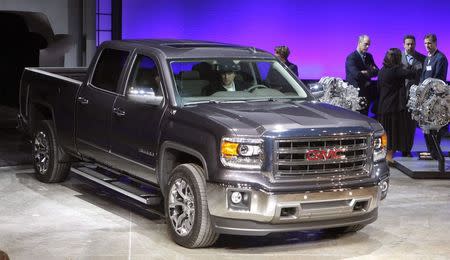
{"x":328,"y":154}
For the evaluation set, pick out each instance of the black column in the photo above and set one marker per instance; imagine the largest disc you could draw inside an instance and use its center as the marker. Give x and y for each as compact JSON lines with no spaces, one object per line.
{"x":116,"y":19}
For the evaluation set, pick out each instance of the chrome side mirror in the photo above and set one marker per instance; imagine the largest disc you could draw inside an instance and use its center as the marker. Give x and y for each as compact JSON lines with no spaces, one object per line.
{"x":144,"y":95}
{"x":316,"y":90}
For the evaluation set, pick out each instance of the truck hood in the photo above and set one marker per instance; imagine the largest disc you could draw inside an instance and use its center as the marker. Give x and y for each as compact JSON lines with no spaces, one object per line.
{"x":285,"y":118}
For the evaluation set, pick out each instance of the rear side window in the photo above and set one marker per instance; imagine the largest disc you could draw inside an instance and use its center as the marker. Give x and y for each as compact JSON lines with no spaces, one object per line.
{"x":144,"y":77}
{"x":109,"y":68}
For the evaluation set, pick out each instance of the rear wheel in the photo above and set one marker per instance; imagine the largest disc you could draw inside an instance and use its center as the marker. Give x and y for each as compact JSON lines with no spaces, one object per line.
{"x":47,"y":154}
{"x":186,"y":208}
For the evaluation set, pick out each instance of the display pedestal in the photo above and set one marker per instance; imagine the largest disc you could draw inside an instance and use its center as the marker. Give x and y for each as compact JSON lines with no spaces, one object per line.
{"x":422,"y":169}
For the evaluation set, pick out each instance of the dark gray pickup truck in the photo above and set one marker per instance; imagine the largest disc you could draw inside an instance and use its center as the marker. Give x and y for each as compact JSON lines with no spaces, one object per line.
{"x":232,"y":141}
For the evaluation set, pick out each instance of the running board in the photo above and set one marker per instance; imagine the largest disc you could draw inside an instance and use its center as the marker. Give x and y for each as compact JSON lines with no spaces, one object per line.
{"x":124,"y":184}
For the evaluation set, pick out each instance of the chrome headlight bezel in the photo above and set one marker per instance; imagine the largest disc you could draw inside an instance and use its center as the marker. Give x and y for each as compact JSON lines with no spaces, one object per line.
{"x":242,"y":152}
{"x":379,"y":147}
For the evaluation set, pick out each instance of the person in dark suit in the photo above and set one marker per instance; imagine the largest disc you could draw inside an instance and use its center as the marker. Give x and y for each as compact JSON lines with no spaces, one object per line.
{"x":282,"y":52}
{"x":411,"y":60}
{"x":360,"y":67}
{"x":392,"y":112}
{"x":227,"y":70}
{"x":435,"y":66}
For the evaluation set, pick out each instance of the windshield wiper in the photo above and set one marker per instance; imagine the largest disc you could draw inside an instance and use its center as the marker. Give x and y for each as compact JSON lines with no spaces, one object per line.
{"x":202,"y":102}
{"x":214,"y":101}
{"x":274,"y":99}
{"x":270,"y":99}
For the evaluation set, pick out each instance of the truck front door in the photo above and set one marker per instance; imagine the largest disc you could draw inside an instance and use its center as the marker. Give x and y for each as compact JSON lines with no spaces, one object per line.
{"x":95,"y":102}
{"x":136,"y":118}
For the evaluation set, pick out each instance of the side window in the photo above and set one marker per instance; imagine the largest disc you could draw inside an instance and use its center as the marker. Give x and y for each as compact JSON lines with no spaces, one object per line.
{"x":263,"y":68}
{"x":144,"y":77}
{"x":108,"y":69}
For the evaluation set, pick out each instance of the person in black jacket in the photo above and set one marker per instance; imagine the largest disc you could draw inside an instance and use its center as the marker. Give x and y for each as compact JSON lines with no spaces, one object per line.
{"x":360,"y":67}
{"x":435,"y":66}
{"x":392,"y":113}
{"x":227,"y":79}
{"x":412,"y":60}
{"x":282,"y":52}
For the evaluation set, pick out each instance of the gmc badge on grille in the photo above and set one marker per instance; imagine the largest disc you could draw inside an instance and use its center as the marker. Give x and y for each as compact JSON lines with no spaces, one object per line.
{"x":327,"y":154}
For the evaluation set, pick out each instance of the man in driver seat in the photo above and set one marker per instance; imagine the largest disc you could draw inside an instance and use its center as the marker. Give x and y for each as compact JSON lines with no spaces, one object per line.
{"x":228,"y":82}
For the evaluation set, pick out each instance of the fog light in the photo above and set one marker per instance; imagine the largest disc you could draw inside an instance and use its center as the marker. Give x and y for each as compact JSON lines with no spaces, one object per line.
{"x":384,"y":186}
{"x":236,"y":197}
{"x":239,"y":199}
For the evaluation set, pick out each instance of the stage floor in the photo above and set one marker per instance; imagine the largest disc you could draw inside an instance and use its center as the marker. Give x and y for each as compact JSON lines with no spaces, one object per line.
{"x":76,"y":220}
{"x":422,"y":169}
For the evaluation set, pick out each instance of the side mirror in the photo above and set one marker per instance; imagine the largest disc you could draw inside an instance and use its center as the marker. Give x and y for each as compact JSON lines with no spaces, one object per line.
{"x":316,"y":90}
{"x":144,"y":95}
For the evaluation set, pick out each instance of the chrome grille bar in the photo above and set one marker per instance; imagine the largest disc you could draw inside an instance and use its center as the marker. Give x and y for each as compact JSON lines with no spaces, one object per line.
{"x":291,"y":162}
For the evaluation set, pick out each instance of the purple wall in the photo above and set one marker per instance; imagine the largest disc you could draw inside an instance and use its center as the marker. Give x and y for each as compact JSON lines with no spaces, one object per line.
{"x":319,"y":34}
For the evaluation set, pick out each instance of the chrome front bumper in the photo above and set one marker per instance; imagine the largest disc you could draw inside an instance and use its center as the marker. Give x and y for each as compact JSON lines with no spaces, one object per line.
{"x":302,"y":207}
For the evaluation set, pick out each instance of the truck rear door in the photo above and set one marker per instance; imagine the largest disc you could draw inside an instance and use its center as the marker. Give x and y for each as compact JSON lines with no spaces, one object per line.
{"x":95,"y":103}
{"x":136,"y":118}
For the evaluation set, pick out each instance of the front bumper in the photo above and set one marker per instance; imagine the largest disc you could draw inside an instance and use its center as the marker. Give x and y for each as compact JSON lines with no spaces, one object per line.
{"x":269,"y":212}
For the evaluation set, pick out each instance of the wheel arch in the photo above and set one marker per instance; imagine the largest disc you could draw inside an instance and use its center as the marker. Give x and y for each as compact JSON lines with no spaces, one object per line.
{"x":40,"y":111}
{"x":173,"y":154}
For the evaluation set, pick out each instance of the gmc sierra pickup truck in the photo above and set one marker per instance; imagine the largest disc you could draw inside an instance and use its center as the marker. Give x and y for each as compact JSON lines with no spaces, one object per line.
{"x":227,"y":135}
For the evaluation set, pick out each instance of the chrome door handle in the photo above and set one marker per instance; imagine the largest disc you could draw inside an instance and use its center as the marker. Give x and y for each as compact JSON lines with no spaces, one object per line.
{"x":82,"y":100}
{"x":119,"y":112}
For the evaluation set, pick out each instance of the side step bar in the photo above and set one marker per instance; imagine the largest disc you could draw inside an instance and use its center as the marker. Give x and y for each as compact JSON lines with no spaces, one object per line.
{"x":126,"y":185}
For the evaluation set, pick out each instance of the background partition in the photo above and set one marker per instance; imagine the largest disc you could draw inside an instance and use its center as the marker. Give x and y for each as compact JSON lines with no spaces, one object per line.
{"x":320,"y":33}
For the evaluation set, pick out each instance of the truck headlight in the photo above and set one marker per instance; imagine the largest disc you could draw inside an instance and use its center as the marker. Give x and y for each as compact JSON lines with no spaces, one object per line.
{"x":379,"y":145}
{"x":244,"y":153}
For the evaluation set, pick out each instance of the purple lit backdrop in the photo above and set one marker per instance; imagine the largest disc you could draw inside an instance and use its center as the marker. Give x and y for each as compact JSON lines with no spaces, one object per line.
{"x":319,"y":34}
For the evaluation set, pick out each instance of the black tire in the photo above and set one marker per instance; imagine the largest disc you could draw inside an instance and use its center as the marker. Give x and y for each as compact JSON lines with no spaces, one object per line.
{"x":45,"y":143}
{"x":347,"y":229}
{"x":201,"y":233}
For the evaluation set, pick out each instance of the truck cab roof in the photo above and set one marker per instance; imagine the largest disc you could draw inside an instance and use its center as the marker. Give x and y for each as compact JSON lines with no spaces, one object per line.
{"x":191,"y":49}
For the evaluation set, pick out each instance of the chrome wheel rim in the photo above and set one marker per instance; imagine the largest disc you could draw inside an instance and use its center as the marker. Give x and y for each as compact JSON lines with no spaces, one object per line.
{"x":181,"y":207}
{"x":41,"y":152}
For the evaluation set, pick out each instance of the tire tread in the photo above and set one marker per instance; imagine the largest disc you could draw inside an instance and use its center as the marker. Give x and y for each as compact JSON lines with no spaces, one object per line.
{"x":57,"y":171}
{"x":206,"y":235}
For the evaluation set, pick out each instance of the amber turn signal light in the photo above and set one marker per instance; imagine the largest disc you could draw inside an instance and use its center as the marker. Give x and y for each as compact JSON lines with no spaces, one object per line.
{"x":384,"y":140}
{"x":229,"y":149}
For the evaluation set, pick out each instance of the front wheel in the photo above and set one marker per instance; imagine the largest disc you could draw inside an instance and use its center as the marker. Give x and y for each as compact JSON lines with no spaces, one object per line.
{"x":186,"y":208}
{"x":47,"y":154}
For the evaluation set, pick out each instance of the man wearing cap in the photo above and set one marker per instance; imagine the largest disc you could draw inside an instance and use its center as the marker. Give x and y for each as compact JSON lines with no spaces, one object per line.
{"x":227,"y":70}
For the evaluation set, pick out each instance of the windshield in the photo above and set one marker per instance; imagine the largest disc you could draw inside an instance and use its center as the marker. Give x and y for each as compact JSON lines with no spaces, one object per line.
{"x":226,"y":80}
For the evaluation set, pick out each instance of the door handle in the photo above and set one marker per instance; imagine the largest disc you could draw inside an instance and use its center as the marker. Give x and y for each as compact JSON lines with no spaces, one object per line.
{"x":119,"y":112}
{"x":82,"y":100}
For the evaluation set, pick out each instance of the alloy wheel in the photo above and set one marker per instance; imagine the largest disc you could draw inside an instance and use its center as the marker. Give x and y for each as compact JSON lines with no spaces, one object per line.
{"x":41,"y":152}
{"x":181,"y":207}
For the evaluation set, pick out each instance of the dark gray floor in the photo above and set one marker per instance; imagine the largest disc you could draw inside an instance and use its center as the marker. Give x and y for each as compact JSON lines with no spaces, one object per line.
{"x":15,"y":149}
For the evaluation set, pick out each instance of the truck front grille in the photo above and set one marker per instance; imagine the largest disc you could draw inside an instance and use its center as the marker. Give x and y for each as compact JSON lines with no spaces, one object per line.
{"x":322,"y":159}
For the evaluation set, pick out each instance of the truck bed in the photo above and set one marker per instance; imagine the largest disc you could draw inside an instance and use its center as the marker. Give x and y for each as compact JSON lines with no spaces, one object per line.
{"x":78,"y":74}
{"x":50,"y":88}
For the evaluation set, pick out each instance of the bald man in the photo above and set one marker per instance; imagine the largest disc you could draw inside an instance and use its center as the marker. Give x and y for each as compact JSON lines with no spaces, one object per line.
{"x":360,"y":67}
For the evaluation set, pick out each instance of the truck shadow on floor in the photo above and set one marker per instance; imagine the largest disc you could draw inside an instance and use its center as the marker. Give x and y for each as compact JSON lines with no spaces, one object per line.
{"x":305,"y":239}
